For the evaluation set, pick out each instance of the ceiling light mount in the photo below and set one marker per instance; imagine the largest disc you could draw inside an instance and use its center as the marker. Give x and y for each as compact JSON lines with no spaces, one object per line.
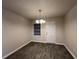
{"x":40,"y":10}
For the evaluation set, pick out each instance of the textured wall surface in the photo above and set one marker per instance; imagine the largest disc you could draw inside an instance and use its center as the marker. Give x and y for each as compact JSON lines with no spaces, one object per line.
{"x":71,"y":30}
{"x":16,"y":31}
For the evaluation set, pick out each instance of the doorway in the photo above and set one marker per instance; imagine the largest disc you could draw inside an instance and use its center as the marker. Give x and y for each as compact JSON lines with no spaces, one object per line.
{"x":50,"y":32}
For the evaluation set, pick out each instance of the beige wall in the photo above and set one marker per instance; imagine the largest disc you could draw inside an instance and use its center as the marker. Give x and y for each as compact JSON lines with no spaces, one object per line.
{"x":58,"y":22}
{"x":71,"y":30}
{"x":16,"y":31}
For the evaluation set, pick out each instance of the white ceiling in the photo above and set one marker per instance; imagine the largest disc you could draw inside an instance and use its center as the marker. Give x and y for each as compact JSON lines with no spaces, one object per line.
{"x":29,"y":8}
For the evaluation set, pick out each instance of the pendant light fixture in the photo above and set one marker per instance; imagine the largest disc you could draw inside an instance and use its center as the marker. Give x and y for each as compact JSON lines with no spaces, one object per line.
{"x":41,"y":19}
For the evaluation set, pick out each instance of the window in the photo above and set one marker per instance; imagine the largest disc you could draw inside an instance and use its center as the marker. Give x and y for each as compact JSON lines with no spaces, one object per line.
{"x":37,"y":29}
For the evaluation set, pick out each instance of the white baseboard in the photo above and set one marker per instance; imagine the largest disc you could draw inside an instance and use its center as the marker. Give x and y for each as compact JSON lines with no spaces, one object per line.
{"x":39,"y":41}
{"x":48,"y":42}
{"x":70,"y":52}
{"x":60,"y":43}
{"x":15,"y":50}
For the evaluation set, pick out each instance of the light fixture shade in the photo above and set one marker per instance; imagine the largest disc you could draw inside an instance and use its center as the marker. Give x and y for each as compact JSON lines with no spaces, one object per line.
{"x":41,"y":21}
{"x":37,"y":21}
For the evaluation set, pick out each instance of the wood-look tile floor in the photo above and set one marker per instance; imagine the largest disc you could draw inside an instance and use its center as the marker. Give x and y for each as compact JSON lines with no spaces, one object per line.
{"x":41,"y":51}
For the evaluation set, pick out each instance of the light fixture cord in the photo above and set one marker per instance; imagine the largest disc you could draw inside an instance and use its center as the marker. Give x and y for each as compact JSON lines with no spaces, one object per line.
{"x":40,"y":11}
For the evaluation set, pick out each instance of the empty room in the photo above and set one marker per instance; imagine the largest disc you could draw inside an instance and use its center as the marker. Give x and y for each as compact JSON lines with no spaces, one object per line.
{"x":39,"y":29}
